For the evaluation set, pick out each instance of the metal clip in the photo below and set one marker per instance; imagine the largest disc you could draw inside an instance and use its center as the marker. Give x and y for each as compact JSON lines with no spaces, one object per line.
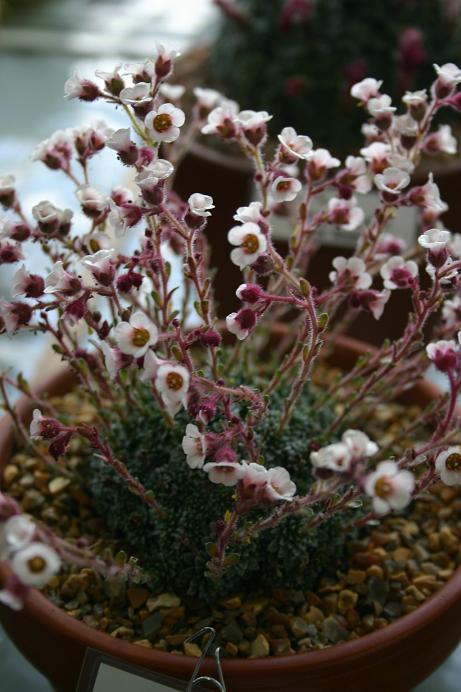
{"x":220,"y":685}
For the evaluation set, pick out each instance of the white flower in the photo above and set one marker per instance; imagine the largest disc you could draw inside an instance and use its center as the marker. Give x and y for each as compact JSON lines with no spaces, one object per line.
{"x":7,"y":184}
{"x":200,"y":204}
{"x":392,"y":180}
{"x":448,"y":464}
{"x":406,"y":125}
{"x":138,"y":94}
{"x":49,"y":217}
{"x":160,"y":168}
{"x":444,"y":354}
{"x":172,"y":383}
{"x":449,"y":74}
{"x":434,"y":239}
{"x":120,"y":140}
{"x":194,"y":446}
{"x":250,"y":241}
{"x":415,"y":98}
{"x":297,"y":145}
{"x":320,"y":160}
{"x":172,"y":92}
{"x":334,"y":457}
{"x":345,"y":213}
{"x":366,"y":89}
{"x":359,"y":444}
{"x":451,"y":310}
{"x":250,"y":213}
{"x":18,"y":531}
{"x":400,"y":161}
{"x":352,"y":270}
{"x":455,"y":245}
{"x":207,"y":98}
{"x":446,"y":141}
{"x":35,"y":564}
{"x":389,"y":487}
{"x":235,"y":327}
{"x":136,"y":336}
{"x":164,"y":123}
{"x":377,"y":302}
{"x":77,"y":87}
{"x":93,"y":202}
{"x":60,"y":280}
{"x":101,"y":264}
{"x":279,"y":485}
{"x":380,"y":106}
{"x":222,"y":121}
{"x":376,"y":153}
{"x":357,"y":175}
{"x":113,"y":359}
{"x":285,"y":189}
{"x":398,"y":273}
{"x":225,"y":472}
{"x":252,"y":119}
{"x":10,"y":599}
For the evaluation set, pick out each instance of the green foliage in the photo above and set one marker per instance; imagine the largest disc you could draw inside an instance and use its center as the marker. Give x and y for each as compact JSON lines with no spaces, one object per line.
{"x":302,"y":73}
{"x":173,"y":548}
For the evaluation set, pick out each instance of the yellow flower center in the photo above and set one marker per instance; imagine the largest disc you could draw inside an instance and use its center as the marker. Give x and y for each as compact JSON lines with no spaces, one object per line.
{"x":94,"y":245}
{"x":283,"y":185}
{"x":250,"y":244}
{"x":453,"y":462}
{"x":383,"y":487}
{"x":36,"y":564}
{"x":140,"y":337}
{"x":162,"y":122}
{"x":174,"y":381}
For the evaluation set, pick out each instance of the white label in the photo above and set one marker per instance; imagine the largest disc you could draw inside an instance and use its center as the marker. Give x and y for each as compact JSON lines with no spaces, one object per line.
{"x":110,"y":679}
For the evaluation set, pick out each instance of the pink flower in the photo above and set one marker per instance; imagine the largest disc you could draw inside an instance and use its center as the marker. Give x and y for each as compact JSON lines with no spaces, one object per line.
{"x":389,"y":488}
{"x":356,"y":175}
{"x":136,"y":336}
{"x":345,"y":213}
{"x":241,"y":323}
{"x":164,"y":123}
{"x":390,"y":245}
{"x":284,"y":189}
{"x":250,"y":241}
{"x":397,"y":273}
{"x":94,"y":203}
{"x":444,"y":354}
{"x":113,"y":81}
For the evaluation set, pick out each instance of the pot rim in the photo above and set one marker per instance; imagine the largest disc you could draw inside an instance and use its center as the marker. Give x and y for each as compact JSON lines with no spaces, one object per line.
{"x":39,"y":608}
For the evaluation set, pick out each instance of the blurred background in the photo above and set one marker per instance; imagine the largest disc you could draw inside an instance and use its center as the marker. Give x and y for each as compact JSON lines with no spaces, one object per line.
{"x":295,"y":58}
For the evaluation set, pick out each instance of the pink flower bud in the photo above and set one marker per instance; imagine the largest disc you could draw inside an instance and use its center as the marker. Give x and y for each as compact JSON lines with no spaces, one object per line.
{"x":126,"y":282}
{"x":250,"y":293}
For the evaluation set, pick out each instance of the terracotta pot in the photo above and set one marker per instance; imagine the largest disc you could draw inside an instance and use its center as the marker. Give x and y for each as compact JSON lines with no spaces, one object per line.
{"x":397,"y":657}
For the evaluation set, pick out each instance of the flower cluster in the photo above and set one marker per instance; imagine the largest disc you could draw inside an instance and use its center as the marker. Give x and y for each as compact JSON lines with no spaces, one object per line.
{"x":129,"y":328}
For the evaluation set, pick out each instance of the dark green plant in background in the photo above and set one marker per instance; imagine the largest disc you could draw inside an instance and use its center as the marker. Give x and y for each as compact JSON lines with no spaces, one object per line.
{"x":173,"y":548}
{"x":298,"y":58}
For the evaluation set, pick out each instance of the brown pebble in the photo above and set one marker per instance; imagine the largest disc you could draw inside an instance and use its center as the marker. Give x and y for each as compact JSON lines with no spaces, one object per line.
{"x":346,"y":600}
{"x":191,"y":649}
{"x":10,"y":474}
{"x":259,"y":647}
{"x":58,"y":484}
{"x":137,"y":596}
{"x":143,"y":642}
{"x":231,"y":649}
{"x":165,"y":600}
{"x":233,"y":603}
{"x":356,"y":576}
